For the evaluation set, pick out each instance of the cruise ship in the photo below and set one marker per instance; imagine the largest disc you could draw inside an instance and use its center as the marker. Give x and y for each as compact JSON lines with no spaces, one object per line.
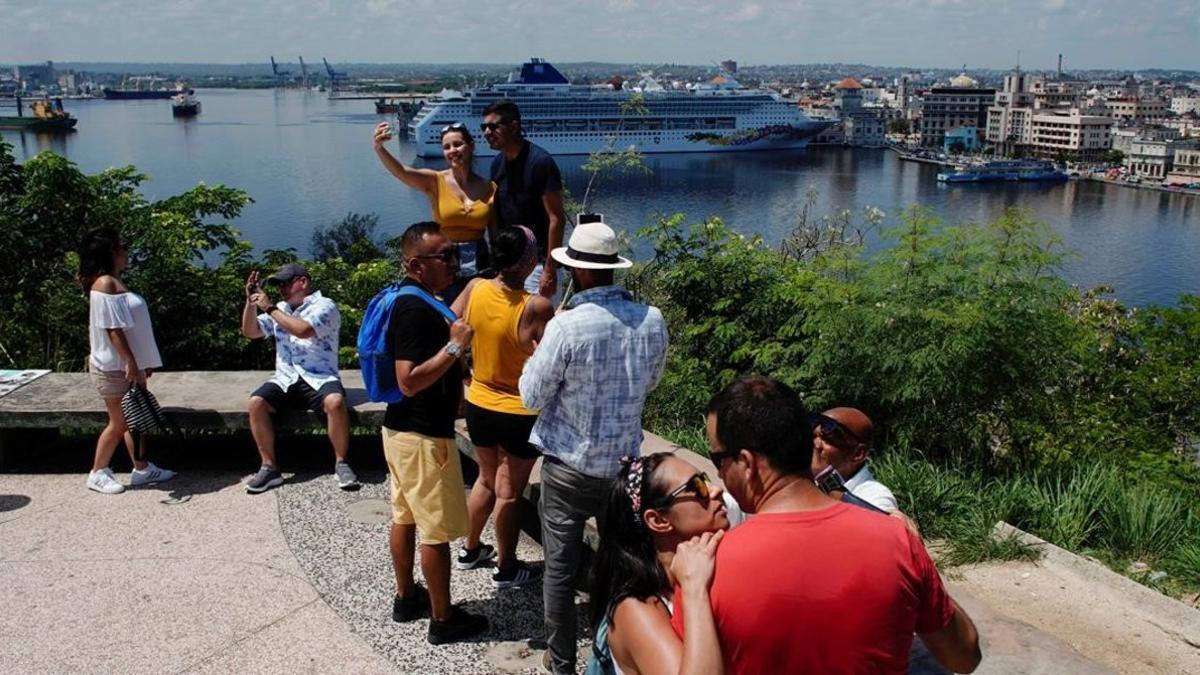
{"x":565,"y":119}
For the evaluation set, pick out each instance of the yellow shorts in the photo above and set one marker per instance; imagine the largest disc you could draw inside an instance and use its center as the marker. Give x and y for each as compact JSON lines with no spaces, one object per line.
{"x":427,"y":485}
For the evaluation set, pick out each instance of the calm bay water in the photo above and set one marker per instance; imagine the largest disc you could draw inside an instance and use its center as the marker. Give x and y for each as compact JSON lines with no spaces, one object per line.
{"x":307,"y":162}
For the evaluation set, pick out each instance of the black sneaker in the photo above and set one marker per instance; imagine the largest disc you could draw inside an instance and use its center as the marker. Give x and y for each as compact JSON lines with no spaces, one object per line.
{"x":519,"y":575}
{"x":411,"y":608}
{"x":470,"y":559}
{"x":460,"y":625}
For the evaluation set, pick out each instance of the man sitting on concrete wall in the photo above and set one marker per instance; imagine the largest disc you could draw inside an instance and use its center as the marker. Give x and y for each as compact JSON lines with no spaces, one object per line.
{"x":305,"y":327}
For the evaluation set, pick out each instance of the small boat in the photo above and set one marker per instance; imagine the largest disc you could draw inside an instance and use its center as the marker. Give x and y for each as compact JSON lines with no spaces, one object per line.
{"x":185,"y":104}
{"x":1005,"y":170}
{"x":45,"y":116}
{"x":386,"y":106}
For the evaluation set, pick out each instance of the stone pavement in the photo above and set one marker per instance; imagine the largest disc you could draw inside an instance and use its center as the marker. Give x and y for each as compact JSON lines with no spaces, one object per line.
{"x":198,"y":576}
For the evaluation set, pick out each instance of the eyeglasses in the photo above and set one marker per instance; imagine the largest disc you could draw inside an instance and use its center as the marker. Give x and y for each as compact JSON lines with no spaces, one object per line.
{"x":491,"y":126}
{"x":445,"y":255}
{"x":697,"y":484}
{"x":826,"y":426}
{"x":456,"y":126}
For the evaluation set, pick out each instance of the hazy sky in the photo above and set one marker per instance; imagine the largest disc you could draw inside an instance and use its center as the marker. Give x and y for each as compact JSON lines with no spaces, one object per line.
{"x":980,"y":33}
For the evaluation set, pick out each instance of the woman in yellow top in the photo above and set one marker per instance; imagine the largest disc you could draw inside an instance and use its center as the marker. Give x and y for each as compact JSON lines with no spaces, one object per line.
{"x":460,"y":198}
{"x":508,"y":322}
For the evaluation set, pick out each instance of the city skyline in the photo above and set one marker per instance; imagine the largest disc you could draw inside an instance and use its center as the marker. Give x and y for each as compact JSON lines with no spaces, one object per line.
{"x":918,"y":33}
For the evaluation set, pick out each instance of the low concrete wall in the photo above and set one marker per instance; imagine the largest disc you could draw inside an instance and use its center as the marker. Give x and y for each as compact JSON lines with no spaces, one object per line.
{"x":196,"y":399}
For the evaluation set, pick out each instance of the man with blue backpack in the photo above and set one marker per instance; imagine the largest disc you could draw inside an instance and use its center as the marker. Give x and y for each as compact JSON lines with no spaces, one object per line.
{"x":426,"y":343}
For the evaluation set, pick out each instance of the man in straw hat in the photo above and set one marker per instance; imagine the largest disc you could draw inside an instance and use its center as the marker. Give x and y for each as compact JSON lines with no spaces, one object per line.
{"x":589,"y":377}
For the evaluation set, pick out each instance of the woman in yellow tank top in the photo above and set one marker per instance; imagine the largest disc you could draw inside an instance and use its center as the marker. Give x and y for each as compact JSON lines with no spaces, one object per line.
{"x":461,"y":199}
{"x":508,"y":322}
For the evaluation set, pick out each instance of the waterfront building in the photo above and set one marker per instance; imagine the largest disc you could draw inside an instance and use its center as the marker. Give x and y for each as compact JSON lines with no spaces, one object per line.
{"x":1132,"y":108}
{"x":1069,"y":133}
{"x":962,"y":104}
{"x":33,"y":78}
{"x":1154,"y":159}
{"x":1182,"y":105}
{"x":960,"y":140}
{"x":847,"y":97}
{"x":1186,"y":168}
{"x":861,"y":126}
{"x":1124,"y":136}
{"x":866,"y":129}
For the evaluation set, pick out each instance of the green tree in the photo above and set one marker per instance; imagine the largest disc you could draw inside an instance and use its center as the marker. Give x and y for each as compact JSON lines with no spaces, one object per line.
{"x":352,"y":239}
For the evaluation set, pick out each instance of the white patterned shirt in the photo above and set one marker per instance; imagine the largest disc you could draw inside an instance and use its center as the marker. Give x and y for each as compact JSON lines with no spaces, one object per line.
{"x":589,"y":378}
{"x":314,"y":359}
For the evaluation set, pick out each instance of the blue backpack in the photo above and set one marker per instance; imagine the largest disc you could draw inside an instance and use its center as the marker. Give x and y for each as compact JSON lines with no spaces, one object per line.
{"x":374,"y":353}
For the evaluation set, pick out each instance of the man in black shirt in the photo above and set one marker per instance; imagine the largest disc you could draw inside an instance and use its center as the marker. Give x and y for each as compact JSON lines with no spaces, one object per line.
{"x":418,"y":439}
{"x":528,"y":190}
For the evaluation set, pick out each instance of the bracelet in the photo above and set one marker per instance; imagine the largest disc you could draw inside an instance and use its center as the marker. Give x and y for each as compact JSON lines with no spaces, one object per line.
{"x":272,"y":308}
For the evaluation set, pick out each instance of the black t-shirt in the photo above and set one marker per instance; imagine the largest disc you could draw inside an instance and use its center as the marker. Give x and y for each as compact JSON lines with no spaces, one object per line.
{"x":416,"y":333}
{"x":520,"y":185}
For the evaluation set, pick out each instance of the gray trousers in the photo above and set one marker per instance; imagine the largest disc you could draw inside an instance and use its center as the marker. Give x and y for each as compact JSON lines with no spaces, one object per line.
{"x":568,"y":499}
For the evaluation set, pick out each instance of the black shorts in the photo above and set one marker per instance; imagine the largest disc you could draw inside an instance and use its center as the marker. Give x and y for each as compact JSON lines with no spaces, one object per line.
{"x":299,"y":396}
{"x":489,"y":428}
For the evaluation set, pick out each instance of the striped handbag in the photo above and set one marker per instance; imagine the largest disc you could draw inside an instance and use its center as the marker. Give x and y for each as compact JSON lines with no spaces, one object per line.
{"x":141,"y":410}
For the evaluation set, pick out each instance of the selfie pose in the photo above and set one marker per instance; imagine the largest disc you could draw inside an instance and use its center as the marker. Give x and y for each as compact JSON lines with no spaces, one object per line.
{"x":461,"y":200}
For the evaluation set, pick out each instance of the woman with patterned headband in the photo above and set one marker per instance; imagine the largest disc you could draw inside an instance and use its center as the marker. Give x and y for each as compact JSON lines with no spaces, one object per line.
{"x":662,"y":527}
{"x":460,"y":198}
{"x":508,"y":322}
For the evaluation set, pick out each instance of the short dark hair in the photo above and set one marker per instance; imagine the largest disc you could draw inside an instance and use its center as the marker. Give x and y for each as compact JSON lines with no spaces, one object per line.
{"x":415,"y":233}
{"x":506,"y":109}
{"x":766,"y":417}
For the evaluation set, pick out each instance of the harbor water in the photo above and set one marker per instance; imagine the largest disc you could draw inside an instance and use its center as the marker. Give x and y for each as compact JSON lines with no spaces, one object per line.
{"x":307,"y":161}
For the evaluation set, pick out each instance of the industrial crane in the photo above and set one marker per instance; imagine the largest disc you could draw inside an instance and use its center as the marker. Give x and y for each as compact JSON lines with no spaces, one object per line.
{"x":335,"y":77}
{"x":304,"y":72}
{"x":281,"y":76}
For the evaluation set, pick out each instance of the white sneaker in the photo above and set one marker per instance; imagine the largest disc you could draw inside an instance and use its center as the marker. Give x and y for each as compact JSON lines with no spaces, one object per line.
{"x":150,"y":475}
{"x":103,"y":481}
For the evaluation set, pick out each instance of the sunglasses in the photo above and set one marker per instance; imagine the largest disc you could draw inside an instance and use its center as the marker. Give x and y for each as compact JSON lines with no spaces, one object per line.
{"x":827,"y":427}
{"x":457,"y":126}
{"x":697,"y":484}
{"x":445,"y":255}
{"x":491,"y":126}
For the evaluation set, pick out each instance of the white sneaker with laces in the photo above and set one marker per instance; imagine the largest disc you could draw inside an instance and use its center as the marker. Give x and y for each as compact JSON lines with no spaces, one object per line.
{"x":150,"y":475}
{"x":103,"y":481}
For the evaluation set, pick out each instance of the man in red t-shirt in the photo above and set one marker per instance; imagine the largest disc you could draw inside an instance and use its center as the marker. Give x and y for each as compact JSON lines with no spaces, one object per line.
{"x":809,"y":584}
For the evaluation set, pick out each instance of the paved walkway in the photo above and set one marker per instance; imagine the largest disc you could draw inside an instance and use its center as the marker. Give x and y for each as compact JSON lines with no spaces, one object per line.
{"x":198,"y":576}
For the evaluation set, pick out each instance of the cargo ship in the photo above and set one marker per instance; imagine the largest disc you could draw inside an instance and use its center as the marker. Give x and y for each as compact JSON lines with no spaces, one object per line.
{"x":142,"y":88}
{"x":185,"y":104}
{"x":719,"y":115}
{"x":1005,"y":170}
{"x":45,"y":117}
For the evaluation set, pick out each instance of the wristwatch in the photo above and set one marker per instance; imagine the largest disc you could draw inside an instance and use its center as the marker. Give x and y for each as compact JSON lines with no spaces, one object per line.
{"x":829,"y":480}
{"x":272,"y":308}
{"x":453,"y":349}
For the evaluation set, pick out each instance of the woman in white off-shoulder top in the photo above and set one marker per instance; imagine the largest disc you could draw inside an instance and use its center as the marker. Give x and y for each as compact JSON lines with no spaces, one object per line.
{"x":123,"y":354}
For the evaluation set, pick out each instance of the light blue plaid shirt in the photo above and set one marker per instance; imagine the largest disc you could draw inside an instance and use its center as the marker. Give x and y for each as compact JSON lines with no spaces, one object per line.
{"x":590,"y":376}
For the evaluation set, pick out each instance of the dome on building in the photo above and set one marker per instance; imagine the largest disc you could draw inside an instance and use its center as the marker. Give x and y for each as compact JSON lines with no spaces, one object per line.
{"x":963,"y":81}
{"x":848,"y":83}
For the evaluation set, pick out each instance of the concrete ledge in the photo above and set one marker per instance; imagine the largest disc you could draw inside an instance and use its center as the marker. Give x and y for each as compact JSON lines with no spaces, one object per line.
{"x":193,"y":399}
{"x":1168,"y":614}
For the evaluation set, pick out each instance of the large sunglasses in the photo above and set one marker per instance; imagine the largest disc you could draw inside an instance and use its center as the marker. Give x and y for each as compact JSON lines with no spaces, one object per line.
{"x":827,"y":427}
{"x":456,"y":126}
{"x":491,"y":126}
{"x":445,"y":255}
{"x":697,"y":484}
